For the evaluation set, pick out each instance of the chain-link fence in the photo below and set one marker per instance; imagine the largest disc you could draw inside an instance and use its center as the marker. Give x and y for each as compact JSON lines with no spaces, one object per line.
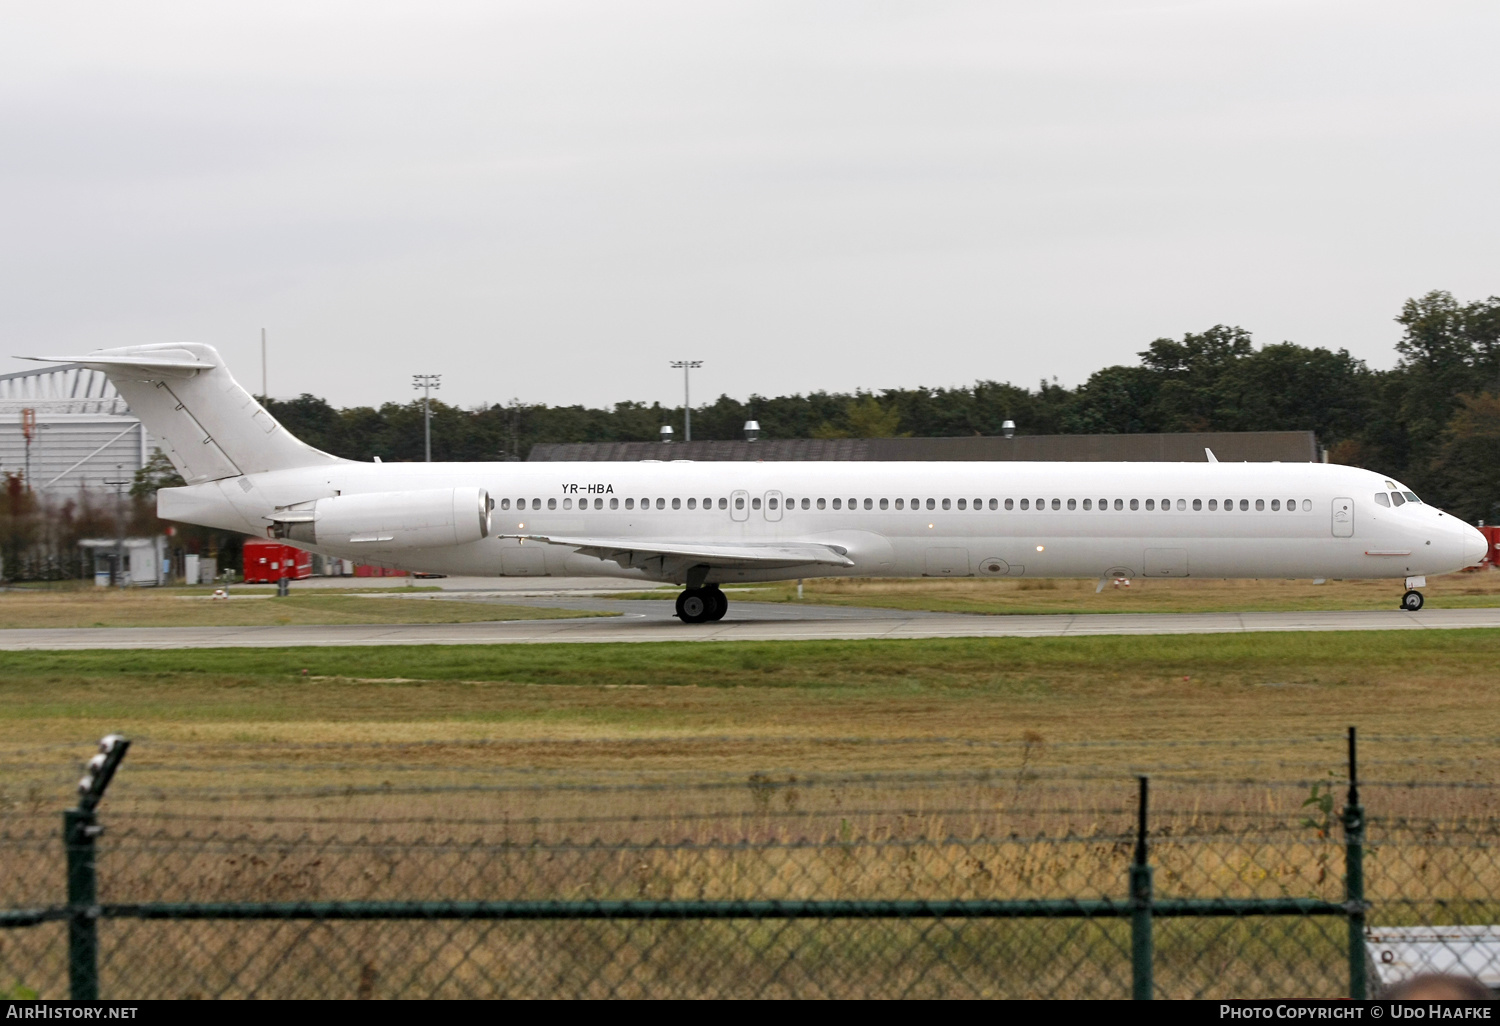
{"x":773,"y":885}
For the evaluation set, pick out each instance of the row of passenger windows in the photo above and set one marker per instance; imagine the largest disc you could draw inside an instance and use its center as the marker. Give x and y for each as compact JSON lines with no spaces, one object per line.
{"x":1164,"y":505}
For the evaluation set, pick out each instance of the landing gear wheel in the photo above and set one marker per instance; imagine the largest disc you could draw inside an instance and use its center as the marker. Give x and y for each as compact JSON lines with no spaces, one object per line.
{"x":1411,"y":601}
{"x":721,"y":602}
{"x":696,"y":605}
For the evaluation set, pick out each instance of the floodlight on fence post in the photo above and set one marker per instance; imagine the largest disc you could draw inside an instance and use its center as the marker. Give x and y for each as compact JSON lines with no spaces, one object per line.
{"x":80,"y":830}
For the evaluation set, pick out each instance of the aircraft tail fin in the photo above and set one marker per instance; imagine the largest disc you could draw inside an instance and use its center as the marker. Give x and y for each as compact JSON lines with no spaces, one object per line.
{"x":209,"y":426}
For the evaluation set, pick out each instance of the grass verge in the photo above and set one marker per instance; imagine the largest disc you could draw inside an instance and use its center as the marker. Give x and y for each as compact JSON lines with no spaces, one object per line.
{"x":111,"y":609}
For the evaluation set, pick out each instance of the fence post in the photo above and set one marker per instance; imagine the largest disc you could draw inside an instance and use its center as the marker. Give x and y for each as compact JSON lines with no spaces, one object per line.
{"x":79,"y":830}
{"x":1354,"y":879}
{"x":1140,"y":904}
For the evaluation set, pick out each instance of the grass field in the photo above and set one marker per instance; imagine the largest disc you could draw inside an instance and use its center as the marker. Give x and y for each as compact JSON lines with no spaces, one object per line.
{"x":1004,"y":597}
{"x":596,"y":708}
{"x":943,"y":768}
{"x":181,"y":608}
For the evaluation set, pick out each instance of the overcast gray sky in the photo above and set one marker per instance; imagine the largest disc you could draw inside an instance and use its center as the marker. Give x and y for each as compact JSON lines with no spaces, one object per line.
{"x":550,"y":200}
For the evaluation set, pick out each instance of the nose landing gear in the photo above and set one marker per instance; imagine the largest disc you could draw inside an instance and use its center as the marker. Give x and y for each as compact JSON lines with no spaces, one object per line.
{"x":702,"y":605}
{"x":1411,"y":601}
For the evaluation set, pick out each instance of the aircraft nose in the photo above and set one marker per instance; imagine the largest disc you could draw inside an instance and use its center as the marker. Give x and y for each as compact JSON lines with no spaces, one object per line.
{"x":1475,"y":546}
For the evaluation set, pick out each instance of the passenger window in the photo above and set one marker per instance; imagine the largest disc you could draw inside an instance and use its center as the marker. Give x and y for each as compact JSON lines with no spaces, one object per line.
{"x":551,"y":503}
{"x":1228,"y":505}
{"x":755,"y":502}
{"x":979,"y":504}
{"x":916,"y":504}
{"x":838,"y":503}
{"x":1166,"y":504}
{"x":1382,"y":500}
{"x":505,"y":504}
{"x":771,"y":503}
{"x":630,"y":504}
{"x":1244,"y":505}
{"x":1307,"y":505}
{"x":1260,"y":504}
{"x":1291,"y":505}
{"x":739,"y":502}
{"x":614,"y":503}
{"x":1151,"y":504}
{"x":1025,"y":503}
{"x":723,"y":503}
{"x":661,"y":503}
{"x":994,"y":504}
{"x":1182,"y":504}
{"x":947,"y":504}
{"x":1275,"y":505}
{"x":931,"y":504}
{"x":805,"y":504}
{"x":692,"y":504}
{"x":1197,"y":504}
{"x":869,"y":504}
{"x":1119,"y":504}
{"x":1010,"y":503}
{"x":536,"y":503}
{"x":1398,"y":498}
{"x":568,"y":503}
{"x":1088,"y":503}
{"x":853,"y":503}
{"x":900,"y":503}
{"x":1135,"y":504}
{"x":963,"y":503}
{"x":1072,"y":503}
{"x":1213,"y":505}
{"x":822,"y":503}
{"x":885,"y":503}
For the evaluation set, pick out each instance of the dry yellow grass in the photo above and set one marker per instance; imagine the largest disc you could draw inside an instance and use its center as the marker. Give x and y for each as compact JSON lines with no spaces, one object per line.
{"x":1000,"y":597}
{"x":171,"y":608}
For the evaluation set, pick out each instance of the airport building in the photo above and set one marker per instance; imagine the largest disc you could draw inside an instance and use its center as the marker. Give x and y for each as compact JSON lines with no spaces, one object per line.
{"x":66,"y":429}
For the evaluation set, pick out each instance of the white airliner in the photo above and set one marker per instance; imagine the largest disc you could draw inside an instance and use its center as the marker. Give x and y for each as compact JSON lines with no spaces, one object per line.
{"x":701,"y":525}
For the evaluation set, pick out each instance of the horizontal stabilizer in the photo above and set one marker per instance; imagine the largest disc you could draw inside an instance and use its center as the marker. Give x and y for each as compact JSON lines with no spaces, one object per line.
{"x":165,"y":362}
{"x":630,"y":551}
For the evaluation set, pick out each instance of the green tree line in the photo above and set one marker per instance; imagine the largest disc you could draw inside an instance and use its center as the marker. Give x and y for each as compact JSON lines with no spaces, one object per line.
{"x":1433,"y":420}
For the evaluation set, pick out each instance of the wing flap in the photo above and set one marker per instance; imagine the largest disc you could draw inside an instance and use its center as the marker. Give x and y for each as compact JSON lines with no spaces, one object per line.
{"x":626,"y":551}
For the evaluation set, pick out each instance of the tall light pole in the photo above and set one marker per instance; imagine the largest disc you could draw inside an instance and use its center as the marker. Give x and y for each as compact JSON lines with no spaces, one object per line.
{"x":119,"y":481}
{"x":427,"y":382}
{"x":687,"y":401}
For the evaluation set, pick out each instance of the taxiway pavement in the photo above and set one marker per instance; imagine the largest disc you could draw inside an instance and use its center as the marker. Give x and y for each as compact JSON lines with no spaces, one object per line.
{"x":651,"y":620}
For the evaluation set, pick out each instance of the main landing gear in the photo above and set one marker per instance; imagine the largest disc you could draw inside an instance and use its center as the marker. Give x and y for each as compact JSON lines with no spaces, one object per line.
{"x":700,"y":605}
{"x":1411,"y":601}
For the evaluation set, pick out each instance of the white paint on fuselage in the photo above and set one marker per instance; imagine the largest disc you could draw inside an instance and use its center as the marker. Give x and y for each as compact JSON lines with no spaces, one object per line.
{"x":1412,"y":540}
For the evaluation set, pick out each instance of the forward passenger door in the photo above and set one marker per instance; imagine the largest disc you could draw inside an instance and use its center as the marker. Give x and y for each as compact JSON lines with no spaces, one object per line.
{"x":1343,"y":518}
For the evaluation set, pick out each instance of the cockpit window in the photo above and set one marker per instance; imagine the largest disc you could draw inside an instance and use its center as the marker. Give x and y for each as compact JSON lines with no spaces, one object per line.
{"x":1398,"y":498}
{"x":1411,"y":497}
{"x":1380,"y":499}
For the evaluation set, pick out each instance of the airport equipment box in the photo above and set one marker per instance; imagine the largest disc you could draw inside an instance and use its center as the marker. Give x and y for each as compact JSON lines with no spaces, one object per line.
{"x":268,"y":562}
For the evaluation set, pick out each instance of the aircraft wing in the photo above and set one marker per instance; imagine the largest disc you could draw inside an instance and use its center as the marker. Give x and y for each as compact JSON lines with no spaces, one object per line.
{"x":634,"y":552}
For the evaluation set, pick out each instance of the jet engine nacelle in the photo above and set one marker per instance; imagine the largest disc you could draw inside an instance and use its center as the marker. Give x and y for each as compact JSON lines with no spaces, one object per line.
{"x":420,"y":519}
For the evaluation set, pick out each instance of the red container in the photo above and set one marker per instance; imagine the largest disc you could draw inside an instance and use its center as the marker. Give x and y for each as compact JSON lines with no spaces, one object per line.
{"x":363,"y":570}
{"x":266,"y":562}
{"x":1492,"y":554}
